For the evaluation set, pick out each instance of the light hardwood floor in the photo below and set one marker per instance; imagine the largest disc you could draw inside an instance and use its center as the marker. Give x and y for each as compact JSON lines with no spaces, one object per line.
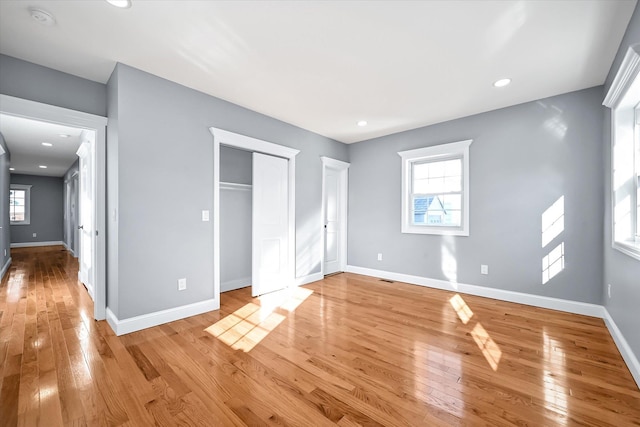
{"x":348,"y":350}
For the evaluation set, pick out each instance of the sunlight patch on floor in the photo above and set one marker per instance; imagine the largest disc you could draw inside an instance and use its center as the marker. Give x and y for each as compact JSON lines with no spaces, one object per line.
{"x":487,"y":345}
{"x":250,"y":324}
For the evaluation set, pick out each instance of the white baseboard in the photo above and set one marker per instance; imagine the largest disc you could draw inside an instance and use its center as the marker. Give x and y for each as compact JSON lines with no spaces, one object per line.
{"x":499,"y":294}
{"x":69,"y":249}
{"x":137,"y":323}
{"x":569,"y":306}
{"x":623,"y":346}
{"x":232,"y":285}
{"x":305,"y":280}
{"x":5,"y":267}
{"x":35,"y":244}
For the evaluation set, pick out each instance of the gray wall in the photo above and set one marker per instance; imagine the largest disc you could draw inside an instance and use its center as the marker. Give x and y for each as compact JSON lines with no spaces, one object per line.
{"x":620,"y":270}
{"x":47,"y":210}
{"x":164,"y":175}
{"x":70,"y":226}
{"x":30,"y":81}
{"x":235,"y":219}
{"x":522,"y":160}
{"x":5,"y":232}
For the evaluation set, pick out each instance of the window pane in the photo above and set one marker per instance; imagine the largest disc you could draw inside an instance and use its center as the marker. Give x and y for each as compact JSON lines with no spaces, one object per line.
{"x":453,"y":167}
{"x":438,"y":210}
{"x":452,"y":201}
{"x":437,"y":177}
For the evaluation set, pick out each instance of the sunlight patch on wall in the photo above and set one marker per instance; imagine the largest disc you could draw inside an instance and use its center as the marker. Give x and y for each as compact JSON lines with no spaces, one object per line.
{"x":449,"y":262}
{"x":553,"y":221}
{"x":553,"y":263}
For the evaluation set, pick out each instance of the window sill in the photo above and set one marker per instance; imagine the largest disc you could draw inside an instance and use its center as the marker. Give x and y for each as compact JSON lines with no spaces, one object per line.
{"x":437,"y":231}
{"x":628,"y":248}
{"x":20,"y":223}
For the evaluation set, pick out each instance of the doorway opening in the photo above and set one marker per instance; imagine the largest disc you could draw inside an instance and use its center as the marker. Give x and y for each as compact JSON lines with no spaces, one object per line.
{"x":276,"y":170}
{"x":335,"y":187}
{"x":94,"y":140}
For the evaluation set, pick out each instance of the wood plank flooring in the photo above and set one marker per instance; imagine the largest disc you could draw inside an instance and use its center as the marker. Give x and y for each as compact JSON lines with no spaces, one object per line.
{"x":348,"y":350}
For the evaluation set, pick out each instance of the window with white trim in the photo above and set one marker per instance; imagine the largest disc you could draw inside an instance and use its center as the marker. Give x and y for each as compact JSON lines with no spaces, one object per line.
{"x":624,"y":100}
{"x":435,"y":189}
{"x":20,"y":204}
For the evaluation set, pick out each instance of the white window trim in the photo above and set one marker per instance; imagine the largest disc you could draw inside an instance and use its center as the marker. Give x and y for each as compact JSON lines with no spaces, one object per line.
{"x":623,"y":94}
{"x":433,"y":153}
{"x":27,"y":203}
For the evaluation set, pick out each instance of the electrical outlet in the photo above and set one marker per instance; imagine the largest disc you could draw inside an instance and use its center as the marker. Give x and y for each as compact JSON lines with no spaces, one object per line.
{"x":35,"y":234}
{"x":205,"y":216}
{"x":182,"y":284}
{"x":484,"y":269}
{"x":379,"y":257}
{"x":609,"y":290}
{"x":5,"y":252}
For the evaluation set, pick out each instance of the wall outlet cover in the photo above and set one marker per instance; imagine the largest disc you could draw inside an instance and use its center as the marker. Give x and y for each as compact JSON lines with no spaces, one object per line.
{"x":484,"y":269}
{"x":182,"y":284}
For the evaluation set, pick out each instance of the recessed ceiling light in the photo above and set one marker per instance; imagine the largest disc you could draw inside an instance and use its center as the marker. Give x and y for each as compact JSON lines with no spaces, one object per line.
{"x":42,"y":16}
{"x":42,"y":167}
{"x":123,"y":4}
{"x":12,"y":169}
{"x":362,"y":123}
{"x":64,"y":135}
{"x":47,"y":144}
{"x":502,"y":82}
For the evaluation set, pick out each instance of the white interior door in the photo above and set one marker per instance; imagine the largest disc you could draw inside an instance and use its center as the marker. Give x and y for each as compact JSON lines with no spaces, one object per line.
{"x":86,"y":223}
{"x":270,"y":218}
{"x":332,"y":226}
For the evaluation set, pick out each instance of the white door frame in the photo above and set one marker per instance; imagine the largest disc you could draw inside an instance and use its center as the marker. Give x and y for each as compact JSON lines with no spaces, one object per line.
{"x":343,"y":198}
{"x":50,"y":113}
{"x":231,"y":139}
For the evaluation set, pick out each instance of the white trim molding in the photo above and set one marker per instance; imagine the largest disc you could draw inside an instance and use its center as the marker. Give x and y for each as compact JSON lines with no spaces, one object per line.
{"x":37,"y":244}
{"x":569,"y":306}
{"x":236,"y":140}
{"x":434,"y":153}
{"x":623,"y":97}
{"x":137,"y":323}
{"x":5,"y":268}
{"x":623,"y":346}
{"x":305,"y":280}
{"x":626,"y":75}
{"x":53,"y":114}
{"x":342,"y":168}
{"x":575,"y":307}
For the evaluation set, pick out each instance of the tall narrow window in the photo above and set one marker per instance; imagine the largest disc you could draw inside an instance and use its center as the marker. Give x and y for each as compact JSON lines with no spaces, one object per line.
{"x":20,"y":204}
{"x":624,"y":100}
{"x":435,"y":189}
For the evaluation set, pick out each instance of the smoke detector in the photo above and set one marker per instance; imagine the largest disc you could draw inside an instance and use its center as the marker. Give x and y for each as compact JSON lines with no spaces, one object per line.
{"x":42,"y":16}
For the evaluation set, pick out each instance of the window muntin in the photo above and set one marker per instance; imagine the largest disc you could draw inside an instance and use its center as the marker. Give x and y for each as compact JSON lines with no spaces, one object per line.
{"x":19,"y":204}
{"x":435,"y":189}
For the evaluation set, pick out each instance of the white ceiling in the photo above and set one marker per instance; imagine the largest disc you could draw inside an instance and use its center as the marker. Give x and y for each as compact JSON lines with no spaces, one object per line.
{"x":324,"y":65}
{"x":24,"y":138}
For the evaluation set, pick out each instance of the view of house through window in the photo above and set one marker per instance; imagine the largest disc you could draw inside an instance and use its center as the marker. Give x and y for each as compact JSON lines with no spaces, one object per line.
{"x":437,"y":192}
{"x":435,"y":189}
{"x":19,"y":196}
